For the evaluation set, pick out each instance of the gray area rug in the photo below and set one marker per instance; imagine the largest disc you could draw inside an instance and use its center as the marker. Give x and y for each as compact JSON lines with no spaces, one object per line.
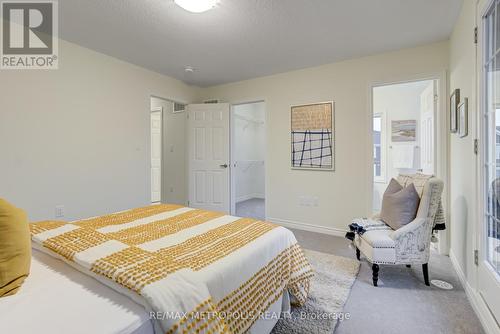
{"x":330,"y":287}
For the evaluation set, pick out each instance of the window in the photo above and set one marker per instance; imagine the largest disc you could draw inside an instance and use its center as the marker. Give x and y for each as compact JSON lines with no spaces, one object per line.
{"x":378,"y":148}
{"x":491,"y":127}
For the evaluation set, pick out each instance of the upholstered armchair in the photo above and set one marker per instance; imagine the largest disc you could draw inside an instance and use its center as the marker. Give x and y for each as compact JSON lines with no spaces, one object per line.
{"x":410,"y":244}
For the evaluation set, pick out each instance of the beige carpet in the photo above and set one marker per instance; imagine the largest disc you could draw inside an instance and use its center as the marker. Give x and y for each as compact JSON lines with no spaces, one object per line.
{"x":330,"y":287}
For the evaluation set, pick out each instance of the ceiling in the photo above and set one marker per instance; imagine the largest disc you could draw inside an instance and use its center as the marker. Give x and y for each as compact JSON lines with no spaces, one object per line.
{"x":242,"y":39}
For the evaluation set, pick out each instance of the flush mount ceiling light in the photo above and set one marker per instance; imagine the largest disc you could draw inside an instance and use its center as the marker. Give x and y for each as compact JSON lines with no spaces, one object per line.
{"x":196,"y":6}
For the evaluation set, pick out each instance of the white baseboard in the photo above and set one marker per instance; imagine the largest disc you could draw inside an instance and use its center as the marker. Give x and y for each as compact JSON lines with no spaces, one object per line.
{"x":489,"y":323}
{"x":308,"y":227}
{"x":249,"y":196}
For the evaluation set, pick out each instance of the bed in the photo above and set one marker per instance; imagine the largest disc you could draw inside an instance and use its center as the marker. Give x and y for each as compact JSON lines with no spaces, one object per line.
{"x":191,"y":270}
{"x":55,"y":297}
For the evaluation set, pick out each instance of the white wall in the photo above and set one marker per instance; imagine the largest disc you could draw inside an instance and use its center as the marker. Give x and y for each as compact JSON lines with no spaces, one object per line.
{"x":249,"y":150}
{"x":174,"y":182}
{"x":397,"y":102}
{"x":79,"y":136}
{"x":346,"y":192}
{"x":462,"y":159}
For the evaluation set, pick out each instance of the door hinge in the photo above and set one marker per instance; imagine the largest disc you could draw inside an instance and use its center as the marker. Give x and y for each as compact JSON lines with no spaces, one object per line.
{"x":475,"y":35}
{"x":436,"y":97}
{"x":476,"y":257}
{"x":476,"y":146}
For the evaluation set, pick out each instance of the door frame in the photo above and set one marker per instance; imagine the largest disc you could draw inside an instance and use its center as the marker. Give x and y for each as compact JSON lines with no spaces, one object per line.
{"x":232,"y":171}
{"x":441,"y":152}
{"x":165,"y":113}
{"x":154,"y":110}
{"x":478,"y":131}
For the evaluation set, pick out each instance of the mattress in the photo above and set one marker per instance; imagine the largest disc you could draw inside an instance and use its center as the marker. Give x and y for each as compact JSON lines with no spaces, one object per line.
{"x":57,"y":298}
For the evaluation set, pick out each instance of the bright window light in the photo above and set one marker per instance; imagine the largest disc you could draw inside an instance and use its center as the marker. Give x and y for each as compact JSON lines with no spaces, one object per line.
{"x":196,"y":6}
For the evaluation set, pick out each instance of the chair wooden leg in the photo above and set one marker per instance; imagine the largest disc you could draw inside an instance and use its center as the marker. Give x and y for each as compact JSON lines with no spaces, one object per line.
{"x":425,"y":269}
{"x":408,"y":266}
{"x":375,"y":269}
{"x":358,"y":253}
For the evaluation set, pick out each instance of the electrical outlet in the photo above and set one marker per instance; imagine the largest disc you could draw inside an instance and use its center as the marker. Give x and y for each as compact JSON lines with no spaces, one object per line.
{"x":59,"y":211}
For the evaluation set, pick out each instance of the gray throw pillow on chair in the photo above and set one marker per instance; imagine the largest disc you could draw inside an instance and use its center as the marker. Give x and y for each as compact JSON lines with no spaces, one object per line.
{"x":399,"y":205}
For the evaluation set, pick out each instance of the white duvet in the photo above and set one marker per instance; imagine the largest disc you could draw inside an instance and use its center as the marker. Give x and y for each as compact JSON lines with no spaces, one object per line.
{"x":195,"y":271}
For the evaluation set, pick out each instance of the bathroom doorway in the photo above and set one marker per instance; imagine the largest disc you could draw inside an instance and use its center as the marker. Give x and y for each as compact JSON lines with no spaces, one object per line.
{"x":403,"y":132}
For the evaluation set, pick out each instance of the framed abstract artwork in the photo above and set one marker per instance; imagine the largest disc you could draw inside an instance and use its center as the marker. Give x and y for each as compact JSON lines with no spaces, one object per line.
{"x":402,"y":131}
{"x":313,"y":136}
{"x":463,"y":118}
{"x":454,"y":102}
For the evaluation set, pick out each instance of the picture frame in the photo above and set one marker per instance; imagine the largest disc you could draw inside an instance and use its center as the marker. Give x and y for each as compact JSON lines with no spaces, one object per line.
{"x":312,"y":136}
{"x":454,"y":102}
{"x":404,"y":130}
{"x":463,"y":118}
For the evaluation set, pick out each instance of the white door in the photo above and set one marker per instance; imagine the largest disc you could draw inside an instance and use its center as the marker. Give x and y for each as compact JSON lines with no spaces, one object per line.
{"x":208,"y":156}
{"x":427,"y":107}
{"x":489,"y":242}
{"x":156,"y":138}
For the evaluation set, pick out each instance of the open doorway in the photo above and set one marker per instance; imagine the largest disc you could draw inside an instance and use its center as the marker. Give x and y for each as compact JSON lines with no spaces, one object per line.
{"x":248,"y":150}
{"x":156,"y":153}
{"x":403,"y":132}
{"x":168,"y":157}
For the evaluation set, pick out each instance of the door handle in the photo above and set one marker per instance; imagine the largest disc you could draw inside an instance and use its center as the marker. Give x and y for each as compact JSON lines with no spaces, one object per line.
{"x":223,"y":166}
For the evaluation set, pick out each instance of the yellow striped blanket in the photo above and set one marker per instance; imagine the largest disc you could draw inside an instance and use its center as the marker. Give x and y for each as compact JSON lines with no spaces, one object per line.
{"x":195,"y":271}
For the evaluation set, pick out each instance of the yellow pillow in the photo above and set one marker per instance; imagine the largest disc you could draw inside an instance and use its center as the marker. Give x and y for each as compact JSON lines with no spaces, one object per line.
{"x":15,"y":248}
